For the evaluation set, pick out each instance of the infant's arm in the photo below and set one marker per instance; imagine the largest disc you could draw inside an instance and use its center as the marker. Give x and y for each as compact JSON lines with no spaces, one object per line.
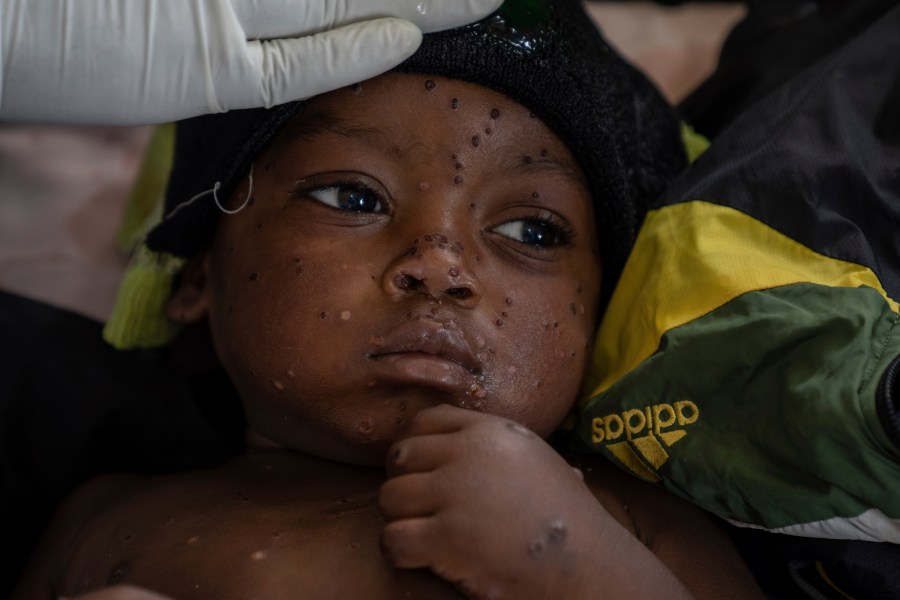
{"x":43,"y":575}
{"x":489,"y":506}
{"x":683,"y":537}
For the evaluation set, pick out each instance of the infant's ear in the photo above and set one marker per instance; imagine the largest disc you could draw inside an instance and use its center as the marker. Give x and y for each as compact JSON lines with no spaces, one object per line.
{"x":189,"y":301}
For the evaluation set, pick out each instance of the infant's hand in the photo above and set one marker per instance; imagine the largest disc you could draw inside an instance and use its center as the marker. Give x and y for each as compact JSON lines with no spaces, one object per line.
{"x":487,"y":505}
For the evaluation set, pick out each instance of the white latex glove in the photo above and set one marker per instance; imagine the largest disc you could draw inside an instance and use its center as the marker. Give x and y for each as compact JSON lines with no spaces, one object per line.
{"x":128,"y":62}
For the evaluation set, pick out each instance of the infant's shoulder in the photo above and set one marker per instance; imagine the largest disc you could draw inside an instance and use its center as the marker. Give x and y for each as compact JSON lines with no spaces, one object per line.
{"x":56,"y":550}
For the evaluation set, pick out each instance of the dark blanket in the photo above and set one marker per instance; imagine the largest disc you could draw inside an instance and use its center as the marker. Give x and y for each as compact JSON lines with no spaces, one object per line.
{"x":72,"y":407}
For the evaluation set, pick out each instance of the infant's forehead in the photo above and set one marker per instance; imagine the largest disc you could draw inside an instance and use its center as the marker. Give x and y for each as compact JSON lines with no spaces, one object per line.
{"x":395,"y":99}
{"x":395,"y":111}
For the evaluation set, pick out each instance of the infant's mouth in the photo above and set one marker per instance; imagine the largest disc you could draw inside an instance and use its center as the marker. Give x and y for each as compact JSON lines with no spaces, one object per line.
{"x":425,"y":352}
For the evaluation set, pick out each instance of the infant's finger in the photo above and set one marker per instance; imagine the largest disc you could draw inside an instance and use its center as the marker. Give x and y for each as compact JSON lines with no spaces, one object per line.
{"x":443,"y":418}
{"x":409,"y":496}
{"x":410,"y":543}
{"x":421,"y":453}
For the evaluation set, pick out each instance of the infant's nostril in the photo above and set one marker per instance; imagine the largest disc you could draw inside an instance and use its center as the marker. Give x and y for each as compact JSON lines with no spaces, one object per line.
{"x":406,"y":282}
{"x":459,"y":293}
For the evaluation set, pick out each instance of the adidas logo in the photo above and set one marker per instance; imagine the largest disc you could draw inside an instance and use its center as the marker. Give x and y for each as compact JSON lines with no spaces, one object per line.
{"x":647,"y":433}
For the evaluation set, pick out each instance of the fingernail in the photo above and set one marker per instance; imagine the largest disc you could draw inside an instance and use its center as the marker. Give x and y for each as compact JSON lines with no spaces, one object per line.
{"x":397,"y":455}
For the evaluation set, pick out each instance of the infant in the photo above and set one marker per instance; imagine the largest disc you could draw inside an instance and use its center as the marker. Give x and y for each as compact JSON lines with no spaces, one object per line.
{"x":402,"y":279}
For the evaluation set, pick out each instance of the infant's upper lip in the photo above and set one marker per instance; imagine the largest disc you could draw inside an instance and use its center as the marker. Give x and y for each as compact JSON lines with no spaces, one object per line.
{"x":428,"y":337}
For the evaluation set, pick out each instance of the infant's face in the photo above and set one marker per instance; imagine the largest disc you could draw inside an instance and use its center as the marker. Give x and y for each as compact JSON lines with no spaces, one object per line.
{"x":411,"y":241}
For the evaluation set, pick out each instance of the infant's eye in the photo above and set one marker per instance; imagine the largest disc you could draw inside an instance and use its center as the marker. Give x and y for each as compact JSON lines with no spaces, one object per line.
{"x":352,"y":198}
{"x":533,"y":232}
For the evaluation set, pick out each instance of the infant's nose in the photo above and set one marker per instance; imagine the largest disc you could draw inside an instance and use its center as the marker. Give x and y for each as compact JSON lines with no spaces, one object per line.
{"x":434,"y":267}
{"x":406,"y":282}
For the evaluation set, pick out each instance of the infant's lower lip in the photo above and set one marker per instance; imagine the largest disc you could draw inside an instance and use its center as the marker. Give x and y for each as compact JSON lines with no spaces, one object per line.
{"x":420,"y":368}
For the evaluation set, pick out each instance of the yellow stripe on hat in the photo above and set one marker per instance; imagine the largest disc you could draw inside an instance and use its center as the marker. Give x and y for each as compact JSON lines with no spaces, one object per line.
{"x":138,"y":319}
{"x":691,"y":258}
{"x":145,"y":203}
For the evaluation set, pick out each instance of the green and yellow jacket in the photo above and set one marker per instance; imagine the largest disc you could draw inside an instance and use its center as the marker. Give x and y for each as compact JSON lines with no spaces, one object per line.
{"x":749,"y":360}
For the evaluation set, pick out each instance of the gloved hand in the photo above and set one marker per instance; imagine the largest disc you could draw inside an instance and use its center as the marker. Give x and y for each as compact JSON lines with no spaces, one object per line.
{"x":144,"y":61}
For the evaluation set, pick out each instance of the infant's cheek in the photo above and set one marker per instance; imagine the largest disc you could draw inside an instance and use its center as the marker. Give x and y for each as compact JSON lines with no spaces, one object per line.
{"x":542,"y":373}
{"x":255,"y":329}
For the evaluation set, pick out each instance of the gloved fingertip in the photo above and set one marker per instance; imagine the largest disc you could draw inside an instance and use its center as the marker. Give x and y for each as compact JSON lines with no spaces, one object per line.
{"x":406,"y":37}
{"x":488,"y":6}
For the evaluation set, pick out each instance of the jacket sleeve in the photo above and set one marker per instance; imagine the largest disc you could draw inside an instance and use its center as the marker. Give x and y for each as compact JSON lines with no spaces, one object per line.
{"x":748,"y":360}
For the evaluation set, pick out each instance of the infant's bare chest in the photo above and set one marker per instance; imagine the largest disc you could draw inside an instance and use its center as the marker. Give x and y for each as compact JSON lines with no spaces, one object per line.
{"x":244,"y":542}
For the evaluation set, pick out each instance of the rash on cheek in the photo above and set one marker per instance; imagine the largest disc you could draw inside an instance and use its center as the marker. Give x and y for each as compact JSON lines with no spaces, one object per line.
{"x":250,"y":288}
{"x":563,"y":336}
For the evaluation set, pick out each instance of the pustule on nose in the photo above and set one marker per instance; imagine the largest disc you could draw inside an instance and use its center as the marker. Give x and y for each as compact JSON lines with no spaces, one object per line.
{"x":456,"y":290}
{"x":435,"y":266}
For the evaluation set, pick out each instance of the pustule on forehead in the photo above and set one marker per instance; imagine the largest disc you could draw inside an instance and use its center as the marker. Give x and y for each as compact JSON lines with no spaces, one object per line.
{"x":453,"y":94}
{"x":532,"y":160}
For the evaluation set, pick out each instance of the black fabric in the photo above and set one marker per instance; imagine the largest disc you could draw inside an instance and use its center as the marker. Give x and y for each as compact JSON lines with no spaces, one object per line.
{"x":776,"y":40}
{"x":817,"y":159}
{"x":806,"y":134}
{"x":888,"y":402}
{"x":546,"y":55}
{"x":72,"y":407}
{"x":791,"y":568}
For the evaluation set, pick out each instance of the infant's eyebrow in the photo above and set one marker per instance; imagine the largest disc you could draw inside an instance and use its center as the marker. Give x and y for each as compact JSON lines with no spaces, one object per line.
{"x":528,"y":164}
{"x":309,"y":126}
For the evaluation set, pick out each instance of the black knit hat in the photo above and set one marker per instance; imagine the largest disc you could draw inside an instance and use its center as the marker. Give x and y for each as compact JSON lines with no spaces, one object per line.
{"x":545,"y":54}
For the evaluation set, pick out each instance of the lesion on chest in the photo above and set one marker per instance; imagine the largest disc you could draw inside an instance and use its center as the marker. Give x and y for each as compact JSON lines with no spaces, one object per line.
{"x":233,"y":544}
